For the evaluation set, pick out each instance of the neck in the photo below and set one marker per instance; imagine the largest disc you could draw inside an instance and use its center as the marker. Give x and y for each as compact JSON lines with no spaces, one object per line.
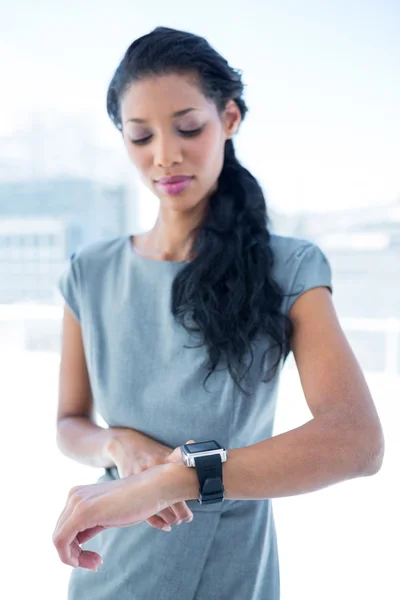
{"x":171,"y":238}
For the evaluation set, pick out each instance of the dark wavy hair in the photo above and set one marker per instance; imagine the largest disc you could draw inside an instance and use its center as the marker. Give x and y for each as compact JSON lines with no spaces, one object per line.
{"x":227,"y":290}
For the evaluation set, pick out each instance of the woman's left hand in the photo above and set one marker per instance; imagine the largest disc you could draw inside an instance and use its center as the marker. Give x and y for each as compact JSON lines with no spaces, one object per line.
{"x":92,"y":508}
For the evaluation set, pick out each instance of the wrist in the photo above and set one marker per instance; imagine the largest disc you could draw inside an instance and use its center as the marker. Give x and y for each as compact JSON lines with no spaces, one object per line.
{"x":180,"y":482}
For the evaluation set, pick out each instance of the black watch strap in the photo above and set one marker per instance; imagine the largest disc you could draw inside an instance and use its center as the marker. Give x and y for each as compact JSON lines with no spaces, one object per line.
{"x":209,"y":472}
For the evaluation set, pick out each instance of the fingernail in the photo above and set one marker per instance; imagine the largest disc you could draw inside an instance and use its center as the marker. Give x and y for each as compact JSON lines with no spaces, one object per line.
{"x":190,"y":519}
{"x":179,"y":522}
{"x":167,"y":528}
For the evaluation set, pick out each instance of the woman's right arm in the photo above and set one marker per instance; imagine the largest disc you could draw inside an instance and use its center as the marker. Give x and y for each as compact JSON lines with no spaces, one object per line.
{"x":78,"y":437}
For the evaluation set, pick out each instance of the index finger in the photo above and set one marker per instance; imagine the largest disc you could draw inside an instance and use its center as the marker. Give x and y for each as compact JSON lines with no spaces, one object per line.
{"x":67,"y":531}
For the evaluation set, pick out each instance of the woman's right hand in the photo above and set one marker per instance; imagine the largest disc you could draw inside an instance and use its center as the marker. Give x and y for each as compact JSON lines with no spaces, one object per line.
{"x":133,"y":452}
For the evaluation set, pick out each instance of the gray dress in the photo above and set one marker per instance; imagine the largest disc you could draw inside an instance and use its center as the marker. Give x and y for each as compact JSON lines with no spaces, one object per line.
{"x":143,"y":378}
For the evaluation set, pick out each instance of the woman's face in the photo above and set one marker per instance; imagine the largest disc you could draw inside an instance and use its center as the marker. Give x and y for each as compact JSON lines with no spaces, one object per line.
{"x":158,"y":115}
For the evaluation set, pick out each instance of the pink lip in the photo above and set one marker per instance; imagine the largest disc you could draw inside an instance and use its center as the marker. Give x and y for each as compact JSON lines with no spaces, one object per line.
{"x":174,"y":185}
{"x":173,"y":179}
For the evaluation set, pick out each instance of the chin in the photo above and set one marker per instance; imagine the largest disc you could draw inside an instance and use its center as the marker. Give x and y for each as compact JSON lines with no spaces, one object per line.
{"x":178,"y":202}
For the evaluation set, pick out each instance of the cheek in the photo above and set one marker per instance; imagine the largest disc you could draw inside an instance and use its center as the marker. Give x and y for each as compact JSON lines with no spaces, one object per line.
{"x":206,"y":152}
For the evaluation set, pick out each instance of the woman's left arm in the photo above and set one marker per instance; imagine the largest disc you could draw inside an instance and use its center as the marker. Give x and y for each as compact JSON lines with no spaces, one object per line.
{"x":344,"y":439}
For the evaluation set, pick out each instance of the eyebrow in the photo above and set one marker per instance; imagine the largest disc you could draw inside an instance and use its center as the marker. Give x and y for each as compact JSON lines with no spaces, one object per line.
{"x":178,"y":113}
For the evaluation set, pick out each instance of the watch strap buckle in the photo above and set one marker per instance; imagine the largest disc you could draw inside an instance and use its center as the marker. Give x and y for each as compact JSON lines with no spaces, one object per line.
{"x":211,"y":491}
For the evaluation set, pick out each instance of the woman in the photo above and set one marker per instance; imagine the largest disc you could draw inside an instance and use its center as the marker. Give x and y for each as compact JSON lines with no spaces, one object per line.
{"x":149,"y":318}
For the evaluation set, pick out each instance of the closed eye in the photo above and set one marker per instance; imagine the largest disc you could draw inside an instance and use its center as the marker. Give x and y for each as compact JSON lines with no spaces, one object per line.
{"x":190,"y":133}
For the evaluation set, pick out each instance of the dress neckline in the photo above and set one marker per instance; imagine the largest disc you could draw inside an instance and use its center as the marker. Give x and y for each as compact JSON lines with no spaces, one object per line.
{"x":147,"y":260}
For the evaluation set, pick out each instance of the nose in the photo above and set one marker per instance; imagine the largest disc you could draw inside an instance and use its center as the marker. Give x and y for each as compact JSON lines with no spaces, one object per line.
{"x":167,"y":152}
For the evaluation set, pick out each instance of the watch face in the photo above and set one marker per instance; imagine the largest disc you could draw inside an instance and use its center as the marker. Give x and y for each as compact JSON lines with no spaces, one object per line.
{"x":202,"y":447}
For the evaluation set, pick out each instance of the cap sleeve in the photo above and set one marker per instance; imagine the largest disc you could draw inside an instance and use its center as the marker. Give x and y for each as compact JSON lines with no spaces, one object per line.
{"x":68,"y":285}
{"x":311,"y":269}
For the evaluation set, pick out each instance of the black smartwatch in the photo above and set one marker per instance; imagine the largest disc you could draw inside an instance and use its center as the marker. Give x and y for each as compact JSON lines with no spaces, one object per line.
{"x":207,"y":458}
